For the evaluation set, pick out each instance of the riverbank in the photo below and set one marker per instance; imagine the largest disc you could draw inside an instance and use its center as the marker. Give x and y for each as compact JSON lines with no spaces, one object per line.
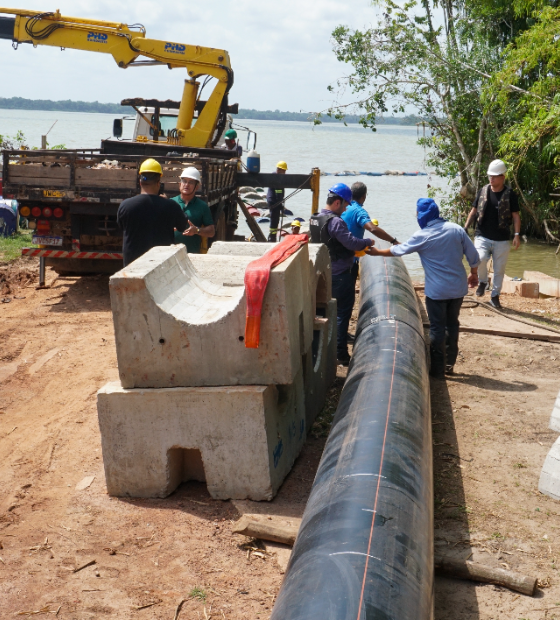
{"x":490,"y":424}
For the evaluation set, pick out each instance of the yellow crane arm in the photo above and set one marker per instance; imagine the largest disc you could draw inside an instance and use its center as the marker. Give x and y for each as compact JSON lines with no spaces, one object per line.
{"x":126,"y":43}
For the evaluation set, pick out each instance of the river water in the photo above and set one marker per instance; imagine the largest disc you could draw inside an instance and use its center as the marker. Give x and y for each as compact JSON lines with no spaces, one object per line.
{"x":391,"y":199}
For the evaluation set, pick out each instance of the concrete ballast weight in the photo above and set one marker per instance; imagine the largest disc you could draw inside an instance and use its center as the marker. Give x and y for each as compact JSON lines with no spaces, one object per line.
{"x":175,"y":329}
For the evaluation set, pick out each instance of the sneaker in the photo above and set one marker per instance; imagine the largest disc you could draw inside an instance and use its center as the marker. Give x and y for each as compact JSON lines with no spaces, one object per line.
{"x":350,"y":338}
{"x":449,"y":370}
{"x":481,"y":289}
{"x":495,"y":302}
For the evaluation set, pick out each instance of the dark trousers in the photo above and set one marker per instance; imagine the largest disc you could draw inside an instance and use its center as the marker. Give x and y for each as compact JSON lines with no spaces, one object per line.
{"x":274,"y":221}
{"x":444,"y":333}
{"x":344,"y":291}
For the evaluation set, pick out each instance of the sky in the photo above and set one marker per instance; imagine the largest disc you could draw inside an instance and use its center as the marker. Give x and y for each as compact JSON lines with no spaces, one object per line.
{"x":280,"y":51}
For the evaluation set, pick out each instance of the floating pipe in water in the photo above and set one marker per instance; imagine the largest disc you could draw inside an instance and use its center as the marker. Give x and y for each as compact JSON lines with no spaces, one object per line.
{"x":365,"y":547}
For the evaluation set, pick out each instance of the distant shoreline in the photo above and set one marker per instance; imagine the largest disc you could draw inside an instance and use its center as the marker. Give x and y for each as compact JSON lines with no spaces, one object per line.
{"x":95,"y":107}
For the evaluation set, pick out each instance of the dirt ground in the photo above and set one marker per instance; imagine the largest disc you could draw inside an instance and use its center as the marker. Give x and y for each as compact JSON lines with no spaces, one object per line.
{"x":77,"y":550}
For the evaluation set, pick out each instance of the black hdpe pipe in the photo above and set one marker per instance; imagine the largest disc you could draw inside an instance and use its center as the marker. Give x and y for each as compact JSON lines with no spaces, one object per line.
{"x":365,"y":547}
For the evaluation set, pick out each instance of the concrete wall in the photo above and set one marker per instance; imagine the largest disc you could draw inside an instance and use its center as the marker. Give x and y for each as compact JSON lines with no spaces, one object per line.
{"x":248,"y":438}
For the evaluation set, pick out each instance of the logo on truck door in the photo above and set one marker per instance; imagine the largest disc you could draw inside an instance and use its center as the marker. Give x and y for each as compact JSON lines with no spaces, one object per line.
{"x":53,"y":193}
{"x":97,"y":37}
{"x":175,"y":48}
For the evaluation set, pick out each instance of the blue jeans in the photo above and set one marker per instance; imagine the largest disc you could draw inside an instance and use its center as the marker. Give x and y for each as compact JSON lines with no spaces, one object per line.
{"x":444,"y":333}
{"x":344,"y":291}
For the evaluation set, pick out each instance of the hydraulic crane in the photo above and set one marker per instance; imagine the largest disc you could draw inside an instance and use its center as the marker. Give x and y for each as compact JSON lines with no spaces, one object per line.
{"x":127,"y":43}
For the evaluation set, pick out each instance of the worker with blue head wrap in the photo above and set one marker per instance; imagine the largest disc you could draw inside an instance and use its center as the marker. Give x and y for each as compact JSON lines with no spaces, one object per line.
{"x":441,"y":246}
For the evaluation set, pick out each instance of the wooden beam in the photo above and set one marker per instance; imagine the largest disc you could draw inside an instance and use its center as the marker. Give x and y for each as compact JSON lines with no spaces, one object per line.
{"x":504,"y":334}
{"x":457,"y":569}
{"x":276,"y":529}
{"x":255,"y":228}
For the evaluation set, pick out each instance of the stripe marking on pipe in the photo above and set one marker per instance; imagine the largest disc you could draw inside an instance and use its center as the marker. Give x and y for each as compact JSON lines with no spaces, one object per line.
{"x":356,"y":553}
{"x":380,"y":468}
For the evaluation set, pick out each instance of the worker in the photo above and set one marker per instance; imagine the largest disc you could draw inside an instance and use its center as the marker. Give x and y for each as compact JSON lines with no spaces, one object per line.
{"x":495,"y":208}
{"x":148,"y":220}
{"x":329,"y":228}
{"x":231,"y":143}
{"x":441,"y":246}
{"x":358,"y":220}
{"x":275,"y":200}
{"x":199,"y":216}
{"x":295,"y":227}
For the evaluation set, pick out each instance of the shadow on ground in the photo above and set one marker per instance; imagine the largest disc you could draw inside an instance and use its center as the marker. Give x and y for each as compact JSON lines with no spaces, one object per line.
{"x":451,"y":530}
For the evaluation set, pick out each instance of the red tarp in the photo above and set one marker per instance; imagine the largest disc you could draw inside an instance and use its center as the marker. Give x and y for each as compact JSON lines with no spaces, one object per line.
{"x":256,"y":280}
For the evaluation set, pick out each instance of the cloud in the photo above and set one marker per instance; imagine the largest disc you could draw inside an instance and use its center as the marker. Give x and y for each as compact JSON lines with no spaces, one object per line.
{"x":280,"y":52}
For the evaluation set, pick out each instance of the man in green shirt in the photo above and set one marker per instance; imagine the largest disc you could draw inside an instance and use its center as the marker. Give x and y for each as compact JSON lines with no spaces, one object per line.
{"x":197,"y":211}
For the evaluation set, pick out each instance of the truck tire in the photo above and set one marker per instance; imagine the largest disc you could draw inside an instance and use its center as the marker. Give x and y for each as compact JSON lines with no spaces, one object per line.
{"x":65,"y":266}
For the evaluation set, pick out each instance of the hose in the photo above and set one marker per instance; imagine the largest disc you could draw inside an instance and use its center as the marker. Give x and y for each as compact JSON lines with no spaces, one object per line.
{"x":507,"y":316}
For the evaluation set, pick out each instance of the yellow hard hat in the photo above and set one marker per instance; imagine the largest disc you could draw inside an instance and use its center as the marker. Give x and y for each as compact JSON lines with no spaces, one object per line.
{"x":296,"y":223}
{"x":151,"y":165}
{"x":282,"y":165}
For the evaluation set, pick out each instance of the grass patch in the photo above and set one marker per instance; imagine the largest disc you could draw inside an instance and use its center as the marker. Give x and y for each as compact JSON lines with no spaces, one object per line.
{"x":198,"y":593}
{"x":10,"y":247}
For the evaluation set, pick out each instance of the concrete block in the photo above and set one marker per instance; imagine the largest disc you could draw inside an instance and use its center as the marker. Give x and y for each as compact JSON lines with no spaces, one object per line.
{"x":554,"y":423}
{"x":240,"y":248}
{"x":547,"y":284}
{"x":549,"y":482}
{"x":319,"y":262}
{"x":174,"y":328}
{"x":521,"y":288}
{"x":241,"y":440}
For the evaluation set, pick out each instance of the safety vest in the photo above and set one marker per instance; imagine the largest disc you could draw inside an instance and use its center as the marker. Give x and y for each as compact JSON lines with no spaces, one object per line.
{"x":319,"y":232}
{"x":504,"y":207}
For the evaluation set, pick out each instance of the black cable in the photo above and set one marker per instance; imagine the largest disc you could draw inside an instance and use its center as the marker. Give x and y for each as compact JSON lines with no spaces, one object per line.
{"x":46,"y":32}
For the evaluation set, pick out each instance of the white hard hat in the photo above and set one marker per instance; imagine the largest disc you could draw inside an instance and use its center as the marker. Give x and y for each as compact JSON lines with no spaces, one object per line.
{"x":191,"y":173}
{"x":496,"y":168}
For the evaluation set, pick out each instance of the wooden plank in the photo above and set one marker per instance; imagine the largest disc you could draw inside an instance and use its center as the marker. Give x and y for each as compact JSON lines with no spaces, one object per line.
{"x":255,"y":228}
{"x":547,"y":284}
{"x":458,"y":569}
{"x":106,"y":177}
{"x":266,"y":527}
{"x":24,"y":174}
{"x":273,"y":180}
{"x":504,"y":334}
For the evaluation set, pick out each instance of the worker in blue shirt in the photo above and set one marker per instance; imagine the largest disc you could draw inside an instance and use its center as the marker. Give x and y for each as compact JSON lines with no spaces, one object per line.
{"x":358,"y":219}
{"x":329,"y":228}
{"x":441,"y":246}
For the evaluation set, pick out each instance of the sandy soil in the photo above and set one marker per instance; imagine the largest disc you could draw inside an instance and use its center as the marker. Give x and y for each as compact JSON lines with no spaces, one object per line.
{"x":491,"y":437}
{"x":57,"y":349}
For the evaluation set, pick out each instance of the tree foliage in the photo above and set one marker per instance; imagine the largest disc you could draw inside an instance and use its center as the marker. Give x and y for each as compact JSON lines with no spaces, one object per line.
{"x":483,"y":76}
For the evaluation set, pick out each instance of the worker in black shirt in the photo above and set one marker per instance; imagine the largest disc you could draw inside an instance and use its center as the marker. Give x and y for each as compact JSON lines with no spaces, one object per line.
{"x":495,"y":208}
{"x":148,"y":220}
{"x":275,"y":200}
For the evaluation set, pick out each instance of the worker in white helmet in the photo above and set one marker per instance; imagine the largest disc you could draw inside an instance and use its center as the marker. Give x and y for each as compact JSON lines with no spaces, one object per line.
{"x":495,"y":208}
{"x":201,"y":222}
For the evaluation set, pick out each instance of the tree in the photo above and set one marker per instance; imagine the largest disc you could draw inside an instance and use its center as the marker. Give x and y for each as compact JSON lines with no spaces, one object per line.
{"x":407,"y":60}
{"x":531,"y":143}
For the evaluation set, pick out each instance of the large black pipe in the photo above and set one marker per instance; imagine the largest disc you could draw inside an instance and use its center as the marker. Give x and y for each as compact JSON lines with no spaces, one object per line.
{"x":365,"y":547}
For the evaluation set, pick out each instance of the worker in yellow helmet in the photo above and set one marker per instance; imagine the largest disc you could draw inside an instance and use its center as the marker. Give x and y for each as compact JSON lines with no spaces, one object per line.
{"x":148,"y":220}
{"x":275,"y":200}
